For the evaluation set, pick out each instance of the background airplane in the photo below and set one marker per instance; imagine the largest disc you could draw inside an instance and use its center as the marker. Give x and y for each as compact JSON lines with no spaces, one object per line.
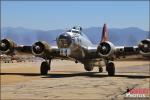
{"x":74,"y":45}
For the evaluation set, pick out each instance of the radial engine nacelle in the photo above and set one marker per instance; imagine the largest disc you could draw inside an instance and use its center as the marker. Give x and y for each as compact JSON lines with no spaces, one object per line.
{"x":7,"y":46}
{"x":41,"y":48}
{"x":144,"y":47}
{"x":106,"y":49}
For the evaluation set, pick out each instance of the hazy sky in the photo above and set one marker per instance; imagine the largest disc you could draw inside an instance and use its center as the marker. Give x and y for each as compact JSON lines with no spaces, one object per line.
{"x":47,"y":15}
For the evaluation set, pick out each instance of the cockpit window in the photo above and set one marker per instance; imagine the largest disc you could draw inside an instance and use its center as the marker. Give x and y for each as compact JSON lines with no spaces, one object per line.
{"x":74,"y":31}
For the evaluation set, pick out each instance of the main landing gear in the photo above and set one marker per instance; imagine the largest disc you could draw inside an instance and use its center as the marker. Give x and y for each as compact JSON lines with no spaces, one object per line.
{"x":45,"y":67}
{"x":100,"y":69}
{"x":88,"y":67}
{"x":110,"y":68}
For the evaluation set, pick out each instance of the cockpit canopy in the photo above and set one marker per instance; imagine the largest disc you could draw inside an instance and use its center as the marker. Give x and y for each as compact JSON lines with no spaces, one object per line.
{"x":79,"y":28}
{"x":76,"y":30}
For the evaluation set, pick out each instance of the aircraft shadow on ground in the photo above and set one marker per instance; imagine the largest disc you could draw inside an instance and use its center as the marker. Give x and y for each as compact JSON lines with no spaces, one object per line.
{"x":85,"y":74}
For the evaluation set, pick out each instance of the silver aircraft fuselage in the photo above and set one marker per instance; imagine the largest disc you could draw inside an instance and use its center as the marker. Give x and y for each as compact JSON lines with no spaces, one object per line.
{"x":75,"y":44}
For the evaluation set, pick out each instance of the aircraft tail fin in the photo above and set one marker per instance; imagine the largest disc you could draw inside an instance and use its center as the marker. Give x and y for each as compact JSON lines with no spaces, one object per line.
{"x":104,"y":34}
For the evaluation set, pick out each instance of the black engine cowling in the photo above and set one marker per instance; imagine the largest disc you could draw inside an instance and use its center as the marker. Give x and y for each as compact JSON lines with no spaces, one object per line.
{"x":106,"y":49}
{"x":7,"y":46}
{"x":144,"y":47}
{"x":41,"y":48}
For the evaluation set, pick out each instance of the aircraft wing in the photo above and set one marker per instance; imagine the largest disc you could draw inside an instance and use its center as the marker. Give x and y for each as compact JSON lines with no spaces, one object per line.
{"x":141,"y":50}
{"x":120,"y":52}
{"x":106,"y":49}
{"x":39,"y":49}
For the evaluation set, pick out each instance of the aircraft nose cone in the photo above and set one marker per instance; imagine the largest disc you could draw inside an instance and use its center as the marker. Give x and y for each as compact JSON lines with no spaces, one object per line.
{"x":64,"y":40}
{"x":64,"y":36}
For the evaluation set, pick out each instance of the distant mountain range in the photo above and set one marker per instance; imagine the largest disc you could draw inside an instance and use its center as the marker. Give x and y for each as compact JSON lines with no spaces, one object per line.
{"x":126,"y":36}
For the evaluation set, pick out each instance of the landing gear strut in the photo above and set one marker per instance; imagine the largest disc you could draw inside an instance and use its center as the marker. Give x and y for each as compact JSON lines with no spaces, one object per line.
{"x":110,"y":68}
{"x":45,"y":66}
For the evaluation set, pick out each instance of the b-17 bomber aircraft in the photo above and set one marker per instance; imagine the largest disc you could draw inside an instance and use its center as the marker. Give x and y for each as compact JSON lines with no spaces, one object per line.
{"x":74,"y":45}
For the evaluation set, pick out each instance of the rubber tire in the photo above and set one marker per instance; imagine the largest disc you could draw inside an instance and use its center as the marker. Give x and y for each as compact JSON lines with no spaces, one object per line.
{"x":110,"y":68}
{"x":100,"y":69}
{"x":88,"y":68}
{"x":44,"y":68}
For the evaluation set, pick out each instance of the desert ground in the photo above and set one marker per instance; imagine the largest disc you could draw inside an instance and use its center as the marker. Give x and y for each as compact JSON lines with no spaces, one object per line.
{"x":68,"y":80}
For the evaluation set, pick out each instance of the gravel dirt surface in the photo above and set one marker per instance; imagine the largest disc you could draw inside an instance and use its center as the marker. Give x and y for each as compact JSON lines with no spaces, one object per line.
{"x":68,"y":80}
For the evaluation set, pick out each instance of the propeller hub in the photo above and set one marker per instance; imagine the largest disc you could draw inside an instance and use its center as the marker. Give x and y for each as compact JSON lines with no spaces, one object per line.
{"x":104,"y":48}
{"x":37,"y":48}
{"x":3,"y":45}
